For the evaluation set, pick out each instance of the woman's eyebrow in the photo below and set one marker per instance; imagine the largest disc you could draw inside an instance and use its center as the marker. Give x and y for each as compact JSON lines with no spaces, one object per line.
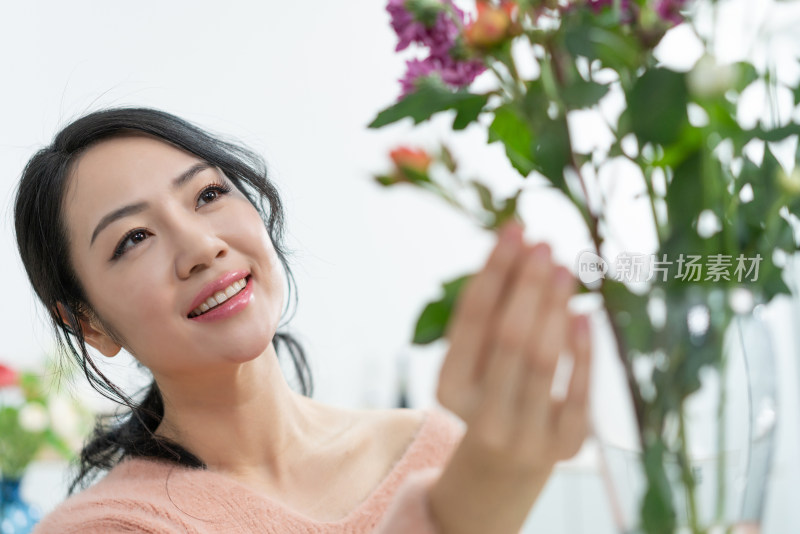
{"x":133,"y":209}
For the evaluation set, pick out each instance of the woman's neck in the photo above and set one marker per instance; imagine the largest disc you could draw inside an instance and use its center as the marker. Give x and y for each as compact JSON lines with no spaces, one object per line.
{"x":246,"y":420}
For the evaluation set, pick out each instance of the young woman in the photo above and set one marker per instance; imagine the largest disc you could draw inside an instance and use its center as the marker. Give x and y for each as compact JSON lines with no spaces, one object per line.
{"x":139,"y":230}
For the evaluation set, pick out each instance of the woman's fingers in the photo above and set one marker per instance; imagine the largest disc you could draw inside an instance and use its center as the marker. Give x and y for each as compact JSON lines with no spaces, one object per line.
{"x":474,"y":308}
{"x":570,"y":417}
{"x":503,"y":379}
{"x":542,"y":353}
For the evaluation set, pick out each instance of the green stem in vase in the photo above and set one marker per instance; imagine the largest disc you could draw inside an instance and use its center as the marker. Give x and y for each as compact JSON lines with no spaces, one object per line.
{"x":686,"y":472}
{"x":719,"y":512}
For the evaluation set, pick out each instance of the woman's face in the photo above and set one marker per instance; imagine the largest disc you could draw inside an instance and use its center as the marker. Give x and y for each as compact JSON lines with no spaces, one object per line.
{"x":151,"y":230}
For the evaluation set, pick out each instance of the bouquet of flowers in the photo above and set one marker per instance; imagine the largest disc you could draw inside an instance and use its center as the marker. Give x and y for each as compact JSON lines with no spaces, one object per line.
{"x":34,"y":419}
{"x":714,"y":185}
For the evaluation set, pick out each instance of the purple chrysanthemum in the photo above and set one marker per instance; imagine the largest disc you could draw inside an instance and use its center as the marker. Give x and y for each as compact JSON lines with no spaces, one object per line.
{"x":415,"y":68}
{"x":452,"y":72}
{"x":670,"y":10}
{"x":624,"y":6}
{"x":461,"y":73}
{"x":444,"y":33}
{"x":439,"y":35}
{"x":597,"y":5}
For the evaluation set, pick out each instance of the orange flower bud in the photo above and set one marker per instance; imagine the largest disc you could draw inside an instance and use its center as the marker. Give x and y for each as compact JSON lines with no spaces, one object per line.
{"x":413,"y":160}
{"x":491,"y":26}
{"x":509,"y":7}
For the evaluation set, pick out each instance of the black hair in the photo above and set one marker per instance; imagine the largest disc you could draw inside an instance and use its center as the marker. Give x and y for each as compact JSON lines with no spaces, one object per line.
{"x":43,"y":245}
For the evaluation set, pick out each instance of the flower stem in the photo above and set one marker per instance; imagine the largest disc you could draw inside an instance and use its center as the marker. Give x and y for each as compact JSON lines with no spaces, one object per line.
{"x":552,"y":77}
{"x":686,"y":472}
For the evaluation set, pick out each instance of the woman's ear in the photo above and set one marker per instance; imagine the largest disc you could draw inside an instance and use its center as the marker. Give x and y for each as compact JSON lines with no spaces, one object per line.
{"x":93,"y":333}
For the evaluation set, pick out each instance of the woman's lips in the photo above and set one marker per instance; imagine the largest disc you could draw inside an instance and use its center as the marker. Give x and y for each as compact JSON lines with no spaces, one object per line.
{"x":230,"y":307}
{"x":217,"y":285}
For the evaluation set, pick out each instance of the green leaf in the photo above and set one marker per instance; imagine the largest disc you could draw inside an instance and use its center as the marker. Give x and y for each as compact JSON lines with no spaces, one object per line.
{"x":785,"y":237}
{"x":794,"y":206}
{"x":467,"y":111}
{"x":430,"y":97}
{"x":485,"y":195}
{"x":770,"y":279}
{"x":615,"y":50}
{"x":630,"y":311}
{"x":424,"y":11}
{"x":18,"y":447}
{"x":746,"y":74}
{"x":685,"y":195}
{"x":751,"y":226}
{"x":385,"y":180}
{"x":583,"y":94}
{"x":553,"y":152}
{"x":432,"y":322}
{"x":510,"y":128}
{"x":657,"y":106}
{"x":773,"y":135}
{"x":446,"y":156}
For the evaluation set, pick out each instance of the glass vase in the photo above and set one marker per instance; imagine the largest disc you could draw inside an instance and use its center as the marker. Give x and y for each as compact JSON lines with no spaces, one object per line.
{"x":701,"y":465}
{"x":16,"y":516}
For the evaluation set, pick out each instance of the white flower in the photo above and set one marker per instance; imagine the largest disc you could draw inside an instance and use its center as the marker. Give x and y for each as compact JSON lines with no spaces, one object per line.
{"x":708,"y":78}
{"x":64,"y":417}
{"x":33,"y":417}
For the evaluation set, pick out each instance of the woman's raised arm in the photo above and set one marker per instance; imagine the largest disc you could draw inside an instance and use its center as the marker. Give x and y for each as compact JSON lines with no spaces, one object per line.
{"x":510,"y":325}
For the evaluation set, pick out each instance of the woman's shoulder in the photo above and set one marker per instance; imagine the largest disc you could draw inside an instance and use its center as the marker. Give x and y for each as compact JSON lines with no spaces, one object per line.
{"x":428,"y":434}
{"x":128,"y":498}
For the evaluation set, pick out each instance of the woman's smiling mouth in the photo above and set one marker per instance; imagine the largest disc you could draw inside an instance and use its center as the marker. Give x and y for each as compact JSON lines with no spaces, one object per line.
{"x":223,"y":297}
{"x":219,"y":297}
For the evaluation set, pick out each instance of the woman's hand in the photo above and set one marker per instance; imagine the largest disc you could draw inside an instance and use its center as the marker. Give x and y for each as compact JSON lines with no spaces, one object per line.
{"x":509,"y":327}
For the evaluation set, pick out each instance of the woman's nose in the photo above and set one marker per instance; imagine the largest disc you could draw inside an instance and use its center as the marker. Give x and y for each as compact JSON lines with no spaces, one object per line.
{"x":196,"y":250}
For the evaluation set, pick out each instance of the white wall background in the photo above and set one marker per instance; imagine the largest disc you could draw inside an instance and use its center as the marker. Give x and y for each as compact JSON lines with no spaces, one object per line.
{"x":298,"y":82}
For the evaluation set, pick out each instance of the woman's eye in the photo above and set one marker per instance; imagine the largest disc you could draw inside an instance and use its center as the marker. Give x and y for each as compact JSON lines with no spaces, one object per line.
{"x":133,"y":238}
{"x":212,"y":193}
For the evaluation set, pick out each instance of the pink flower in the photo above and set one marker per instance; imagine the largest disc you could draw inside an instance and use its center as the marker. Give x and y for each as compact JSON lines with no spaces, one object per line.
{"x":8,"y":377}
{"x":670,"y":10}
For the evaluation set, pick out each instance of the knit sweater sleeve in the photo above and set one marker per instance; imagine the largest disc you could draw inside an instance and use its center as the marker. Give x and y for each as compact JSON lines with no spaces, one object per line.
{"x":113,"y":516}
{"x":409,"y":511}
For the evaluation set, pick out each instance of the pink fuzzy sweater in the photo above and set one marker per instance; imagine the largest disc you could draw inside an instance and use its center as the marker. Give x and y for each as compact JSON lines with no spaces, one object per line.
{"x":154,"y":496}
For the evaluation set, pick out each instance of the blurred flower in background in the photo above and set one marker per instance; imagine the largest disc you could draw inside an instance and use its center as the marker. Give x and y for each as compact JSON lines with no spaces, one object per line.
{"x":37,"y":420}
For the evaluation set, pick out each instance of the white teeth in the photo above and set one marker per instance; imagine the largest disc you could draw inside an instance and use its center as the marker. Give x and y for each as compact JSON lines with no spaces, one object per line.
{"x":219,"y":297}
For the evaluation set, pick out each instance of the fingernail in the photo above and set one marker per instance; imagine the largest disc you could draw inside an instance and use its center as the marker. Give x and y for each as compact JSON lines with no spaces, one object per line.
{"x":563,"y":277}
{"x":540,"y":252}
{"x":510,"y":232}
